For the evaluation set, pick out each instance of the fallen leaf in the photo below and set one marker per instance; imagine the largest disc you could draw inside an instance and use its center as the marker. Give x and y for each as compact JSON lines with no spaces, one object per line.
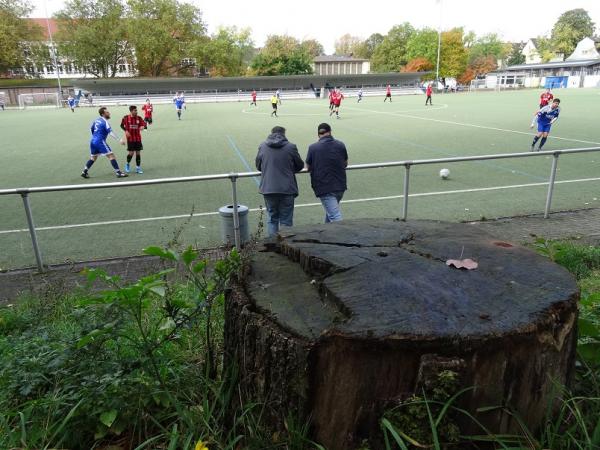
{"x":468,"y":263}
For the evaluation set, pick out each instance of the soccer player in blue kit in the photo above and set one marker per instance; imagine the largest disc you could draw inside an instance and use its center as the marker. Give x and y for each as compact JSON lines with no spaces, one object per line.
{"x":100,"y":131}
{"x":71,"y":102}
{"x":179,"y":101}
{"x":545,"y":117}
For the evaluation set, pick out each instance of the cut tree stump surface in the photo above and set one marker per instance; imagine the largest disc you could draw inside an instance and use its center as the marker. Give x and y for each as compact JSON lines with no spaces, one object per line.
{"x":339,"y":322}
{"x":389,"y":279}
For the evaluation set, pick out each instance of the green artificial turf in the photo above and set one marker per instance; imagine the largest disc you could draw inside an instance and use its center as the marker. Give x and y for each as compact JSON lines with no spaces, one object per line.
{"x":49,"y":147}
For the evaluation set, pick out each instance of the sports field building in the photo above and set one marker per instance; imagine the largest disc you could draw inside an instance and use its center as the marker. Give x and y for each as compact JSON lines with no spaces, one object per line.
{"x":580,"y":69}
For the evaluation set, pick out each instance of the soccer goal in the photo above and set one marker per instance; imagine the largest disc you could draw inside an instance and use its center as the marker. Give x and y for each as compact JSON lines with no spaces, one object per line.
{"x":477,"y":84}
{"x":39,"y":100}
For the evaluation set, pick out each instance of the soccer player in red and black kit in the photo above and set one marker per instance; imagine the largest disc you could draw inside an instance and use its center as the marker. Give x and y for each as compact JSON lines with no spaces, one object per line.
{"x":332,"y":93}
{"x":147,"y":108}
{"x":132,"y":124}
{"x":388,"y":93}
{"x":337,"y":101}
{"x":253,"y":102}
{"x":546,"y":98}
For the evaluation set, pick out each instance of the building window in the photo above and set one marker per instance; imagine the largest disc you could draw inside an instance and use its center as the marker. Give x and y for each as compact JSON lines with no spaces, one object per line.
{"x":122,"y":68}
{"x":188,"y":62}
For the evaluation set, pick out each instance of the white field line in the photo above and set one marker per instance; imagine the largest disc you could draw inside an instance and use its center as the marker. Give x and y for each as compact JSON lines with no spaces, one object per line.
{"x":462,"y":124}
{"x":303,"y":205}
{"x":283,"y":113}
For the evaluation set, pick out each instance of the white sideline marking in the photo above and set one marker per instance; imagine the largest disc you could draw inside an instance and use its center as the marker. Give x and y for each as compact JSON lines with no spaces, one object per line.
{"x":304,"y":205}
{"x":399,"y":114}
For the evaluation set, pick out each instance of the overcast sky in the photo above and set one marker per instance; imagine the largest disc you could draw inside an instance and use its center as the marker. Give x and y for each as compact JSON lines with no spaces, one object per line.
{"x":327,"y":20}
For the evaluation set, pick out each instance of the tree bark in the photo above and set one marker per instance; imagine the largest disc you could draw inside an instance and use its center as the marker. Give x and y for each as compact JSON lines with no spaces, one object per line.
{"x":339,"y":321}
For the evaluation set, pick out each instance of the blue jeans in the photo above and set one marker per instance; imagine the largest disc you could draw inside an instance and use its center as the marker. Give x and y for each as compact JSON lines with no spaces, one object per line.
{"x":331,"y":203}
{"x":280,"y":211}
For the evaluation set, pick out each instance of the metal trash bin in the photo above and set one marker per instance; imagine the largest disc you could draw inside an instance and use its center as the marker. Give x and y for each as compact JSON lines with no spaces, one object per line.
{"x":227,"y":230}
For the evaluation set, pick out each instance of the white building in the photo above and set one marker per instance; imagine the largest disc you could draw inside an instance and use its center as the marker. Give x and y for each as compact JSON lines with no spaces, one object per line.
{"x":340,"y":65}
{"x":586,"y":49}
{"x":67,"y":68}
{"x":531,"y":53}
{"x":580,"y":69}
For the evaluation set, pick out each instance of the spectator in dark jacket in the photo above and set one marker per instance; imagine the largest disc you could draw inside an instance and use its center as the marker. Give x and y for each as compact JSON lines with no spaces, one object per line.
{"x":326,"y":161}
{"x":278,"y":160}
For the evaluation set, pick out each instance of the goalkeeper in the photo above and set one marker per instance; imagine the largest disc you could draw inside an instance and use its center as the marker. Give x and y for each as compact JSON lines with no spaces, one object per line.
{"x":545,"y":117}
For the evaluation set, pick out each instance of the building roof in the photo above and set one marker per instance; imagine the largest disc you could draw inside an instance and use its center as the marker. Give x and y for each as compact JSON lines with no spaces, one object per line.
{"x":336,"y":58}
{"x":556,"y":64}
{"x":41,"y":22}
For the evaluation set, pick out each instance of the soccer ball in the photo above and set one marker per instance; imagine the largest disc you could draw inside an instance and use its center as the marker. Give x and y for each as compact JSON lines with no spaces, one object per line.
{"x":444,"y":174}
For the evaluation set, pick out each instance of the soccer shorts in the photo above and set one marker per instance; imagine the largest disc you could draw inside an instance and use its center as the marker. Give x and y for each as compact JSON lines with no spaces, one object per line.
{"x":99,"y":148}
{"x":148,"y":119}
{"x":543,"y":127}
{"x":274,"y":105}
{"x":388,"y":95}
{"x":134,"y":146}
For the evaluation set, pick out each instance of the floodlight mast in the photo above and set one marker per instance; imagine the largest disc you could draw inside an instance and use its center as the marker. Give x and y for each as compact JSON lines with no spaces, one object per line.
{"x":437,"y":67}
{"x":53,"y":51}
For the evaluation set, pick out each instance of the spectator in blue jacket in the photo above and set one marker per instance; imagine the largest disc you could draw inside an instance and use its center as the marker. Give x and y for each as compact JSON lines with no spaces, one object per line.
{"x":326,"y":161}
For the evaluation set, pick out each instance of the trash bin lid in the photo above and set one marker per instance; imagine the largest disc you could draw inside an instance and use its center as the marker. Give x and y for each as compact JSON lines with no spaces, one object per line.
{"x":227,"y":210}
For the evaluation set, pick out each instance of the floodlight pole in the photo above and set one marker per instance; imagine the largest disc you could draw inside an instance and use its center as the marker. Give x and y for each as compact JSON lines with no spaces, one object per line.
{"x":53,"y":50}
{"x":437,"y":67}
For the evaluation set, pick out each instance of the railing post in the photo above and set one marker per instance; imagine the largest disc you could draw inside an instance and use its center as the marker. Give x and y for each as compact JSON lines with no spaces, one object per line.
{"x":405,"y":193}
{"x":236,"y":217}
{"x":34,"y":241}
{"x":551,"y":184}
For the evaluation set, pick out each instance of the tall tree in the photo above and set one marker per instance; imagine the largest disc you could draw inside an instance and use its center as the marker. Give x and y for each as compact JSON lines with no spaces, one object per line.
{"x":227,"y":53}
{"x":18,"y":37}
{"x":516,"y":57}
{"x":164,"y":32}
{"x":391,"y":54}
{"x":93,"y":33}
{"x":282,"y":55}
{"x":312,"y":47}
{"x":545,"y":48}
{"x":371,"y":43}
{"x":453,"y":55}
{"x":571,"y":27}
{"x":423,"y":44}
{"x":418,"y":65}
{"x":347,"y":45}
{"x":488,"y":45}
{"x":478,"y":67}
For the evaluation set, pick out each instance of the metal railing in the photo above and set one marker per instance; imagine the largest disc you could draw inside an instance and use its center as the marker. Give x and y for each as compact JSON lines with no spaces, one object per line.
{"x":233,"y":177}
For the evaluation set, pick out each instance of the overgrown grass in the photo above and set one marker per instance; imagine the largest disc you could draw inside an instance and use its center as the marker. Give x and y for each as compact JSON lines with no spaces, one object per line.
{"x":134,"y":366}
{"x":130,"y":368}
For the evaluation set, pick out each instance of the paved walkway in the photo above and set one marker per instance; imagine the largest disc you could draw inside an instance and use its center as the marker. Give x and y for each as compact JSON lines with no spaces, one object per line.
{"x":583,"y":225}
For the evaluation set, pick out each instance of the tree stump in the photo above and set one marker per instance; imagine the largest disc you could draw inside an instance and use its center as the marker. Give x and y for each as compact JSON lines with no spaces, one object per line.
{"x":336,"y":322}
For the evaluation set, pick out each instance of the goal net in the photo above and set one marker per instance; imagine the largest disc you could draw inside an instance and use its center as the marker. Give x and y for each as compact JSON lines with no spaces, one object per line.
{"x":39,"y":100}
{"x":477,"y":84}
